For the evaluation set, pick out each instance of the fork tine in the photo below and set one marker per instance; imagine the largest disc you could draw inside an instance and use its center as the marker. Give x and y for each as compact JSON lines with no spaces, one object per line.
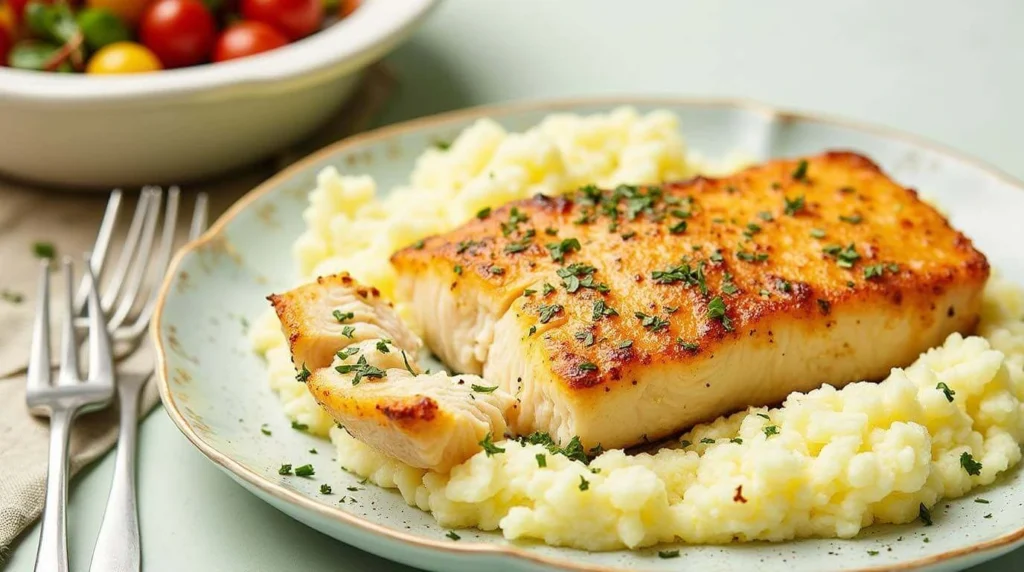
{"x":39,"y":362}
{"x":101,"y":356}
{"x":124,"y":260}
{"x":68,"y":342}
{"x":141,"y":258}
{"x":199,"y":216}
{"x":163,"y":259}
{"x":100,"y":247}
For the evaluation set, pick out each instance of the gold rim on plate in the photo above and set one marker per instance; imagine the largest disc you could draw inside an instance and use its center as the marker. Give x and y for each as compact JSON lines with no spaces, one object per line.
{"x":382,"y":133}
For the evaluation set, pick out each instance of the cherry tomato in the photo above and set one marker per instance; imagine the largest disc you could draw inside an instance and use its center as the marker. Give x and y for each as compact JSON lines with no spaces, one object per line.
{"x":18,"y":7}
{"x":293,"y":18}
{"x":180,"y":32}
{"x":123,"y":57}
{"x":128,"y":10}
{"x":245,"y":39}
{"x":5,"y":45}
{"x":346,"y":7}
{"x":8,"y":21}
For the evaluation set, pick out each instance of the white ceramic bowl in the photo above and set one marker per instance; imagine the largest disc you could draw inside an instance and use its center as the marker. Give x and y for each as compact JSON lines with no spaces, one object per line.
{"x":184,"y":124}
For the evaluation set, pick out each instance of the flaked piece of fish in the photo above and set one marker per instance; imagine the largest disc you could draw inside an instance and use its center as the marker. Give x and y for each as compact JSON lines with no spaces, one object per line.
{"x":365,"y":376}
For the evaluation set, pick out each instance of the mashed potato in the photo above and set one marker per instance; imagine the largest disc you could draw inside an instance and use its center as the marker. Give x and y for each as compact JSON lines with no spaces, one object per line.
{"x":825,"y":463}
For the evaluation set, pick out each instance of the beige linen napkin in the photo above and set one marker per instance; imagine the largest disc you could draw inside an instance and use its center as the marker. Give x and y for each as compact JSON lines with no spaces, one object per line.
{"x":69,"y":222}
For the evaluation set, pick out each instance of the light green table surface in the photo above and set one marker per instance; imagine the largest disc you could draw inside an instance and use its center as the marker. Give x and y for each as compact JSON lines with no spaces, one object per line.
{"x":949,"y":70}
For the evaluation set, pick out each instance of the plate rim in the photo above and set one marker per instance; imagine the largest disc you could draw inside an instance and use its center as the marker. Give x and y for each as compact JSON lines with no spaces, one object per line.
{"x":553,"y":105}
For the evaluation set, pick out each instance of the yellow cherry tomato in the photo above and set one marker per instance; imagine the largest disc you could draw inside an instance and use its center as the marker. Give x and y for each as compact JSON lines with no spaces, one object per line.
{"x":8,"y":21}
{"x":128,"y":10}
{"x":123,"y":57}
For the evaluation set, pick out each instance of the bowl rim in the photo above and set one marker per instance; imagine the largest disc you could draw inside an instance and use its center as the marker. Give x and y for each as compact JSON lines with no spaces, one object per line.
{"x":365,"y":35}
{"x":994,"y":546}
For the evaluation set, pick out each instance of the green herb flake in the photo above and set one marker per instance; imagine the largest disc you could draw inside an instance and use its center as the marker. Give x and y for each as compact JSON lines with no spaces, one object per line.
{"x":348,"y":332}
{"x":586,"y":337}
{"x":852,"y":219}
{"x":483,"y":213}
{"x":286,"y":469}
{"x":770,"y":430}
{"x":949,"y":393}
{"x":325,"y":489}
{"x":44,"y":250}
{"x":824,"y":306}
{"x":482,"y":388}
{"x":382,"y":346}
{"x":716,"y":311}
{"x":872,"y":553}
{"x":584,"y":483}
{"x":625,"y":344}
{"x":532,"y":330}
{"x":11,"y":296}
{"x":736,"y":440}
{"x":547,"y":289}
{"x":548,"y":311}
{"x":458,"y":269}
{"x":496,"y":270}
{"x":588,"y":366}
{"x":981,"y":501}
{"x":666,"y":554}
{"x":817,"y":233}
{"x":845,"y":257}
{"x":800,"y":173}
{"x":265,"y":430}
{"x":558,"y":250}
{"x":716,"y":256}
{"x":765,"y":216}
{"x":542,"y":460}
{"x":299,"y":426}
{"x":489,"y":447}
{"x":602,"y":310}
{"x":651,"y":323}
{"x":688,"y":346}
{"x":707,"y":441}
{"x":419,"y":244}
{"x":678,"y":228}
{"x":969,"y":464}
{"x":465,"y":245}
{"x":794,"y":206}
{"x":748,"y":256}
{"x":529,"y":292}
{"x":343,"y":316}
{"x":361,"y":369}
{"x":451,"y":534}
{"x":405,"y":360}
{"x":763,"y":416}
{"x":303,"y":374}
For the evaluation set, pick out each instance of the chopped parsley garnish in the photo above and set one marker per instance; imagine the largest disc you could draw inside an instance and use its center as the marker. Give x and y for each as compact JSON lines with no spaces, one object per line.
{"x":304,"y":471}
{"x":405,"y":359}
{"x":551,"y":231}
{"x":601,"y":310}
{"x":573,"y":450}
{"x":765,"y":216}
{"x":361,"y":369}
{"x":586,"y":337}
{"x":783,"y":285}
{"x":325,"y":489}
{"x":264,"y":430}
{"x":751,"y":230}
{"x":348,"y":331}
{"x":483,"y":213}
{"x":873,"y":271}
{"x":418,"y":245}
{"x":304,"y":374}
{"x":528,"y":292}
{"x":588,"y":366}
{"x":560,"y":249}
{"x":800,"y":172}
{"x":716,"y":311}
{"x":736,"y":440}
{"x":533,"y":330}
{"x":981,"y":501}
{"x":852,"y":219}
{"x":542,"y":460}
{"x":571,"y":278}
{"x":924,"y":514}
{"x":548,"y":311}
{"x":691,"y":276}
{"x":688,"y":346}
{"x":625,"y":344}
{"x":763,"y":416}
{"x":519,"y":245}
{"x":652,"y":323}
{"x":496,"y":270}
{"x":771,"y":430}
{"x":483,"y":389}
{"x":489,"y":447}
{"x":44,"y":250}
{"x":707,"y":441}
{"x":794,"y":206}
{"x":728,"y":287}
{"x":515,"y":216}
{"x":347,"y":352}
{"x":12,"y":296}
{"x":458,"y":269}
{"x":584,"y":483}
{"x":949,"y":393}
{"x":678,"y":228}
{"x":666,"y":554}
{"x":465,"y":245}
{"x":747,"y":256}
{"x":547,"y":289}
{"x":716,"y":256}
{"x":845,"y":257}
{"x":451,"y":534}
{"x":872,"y":553}
{"x":680,"y":213}
{"x":817,"y":233}
{"x":628,"y":235}
{"x":343,"y":316}
{"x":969,"y":464}
{"x":299,"y":426}
{"x":313,"y":452}
{"x":286,"y":469}
{"x":684,"y":443}
{"x":382,"y":346}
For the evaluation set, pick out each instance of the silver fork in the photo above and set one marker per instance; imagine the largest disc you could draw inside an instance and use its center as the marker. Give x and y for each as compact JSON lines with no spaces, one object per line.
{"x":64,"y":400}
{"x":118,"y":545}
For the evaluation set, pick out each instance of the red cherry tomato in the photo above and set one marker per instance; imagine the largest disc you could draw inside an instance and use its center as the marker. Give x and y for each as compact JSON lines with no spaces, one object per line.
{"x":18,"y":7}
{"x":5,"y":45}
{"x":293,"y":18}
{"x":245,"y":39}
{"x":179,"y":32}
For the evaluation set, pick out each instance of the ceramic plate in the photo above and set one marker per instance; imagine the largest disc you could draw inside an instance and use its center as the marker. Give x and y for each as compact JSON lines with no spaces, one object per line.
{"x":215,"y":388}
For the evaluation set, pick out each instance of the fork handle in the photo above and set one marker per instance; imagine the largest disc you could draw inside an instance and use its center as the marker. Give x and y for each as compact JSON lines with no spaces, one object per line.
{"x":117,"y":545}
{"x":52,"y":554}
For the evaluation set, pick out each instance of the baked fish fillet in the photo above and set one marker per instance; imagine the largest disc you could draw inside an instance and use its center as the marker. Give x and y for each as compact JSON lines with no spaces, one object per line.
{"x":357,"y":359}
{"x":625,"y":315}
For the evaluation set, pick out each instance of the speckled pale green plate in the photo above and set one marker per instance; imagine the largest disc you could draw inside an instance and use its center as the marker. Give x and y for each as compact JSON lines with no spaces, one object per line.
{"x":215,"y":389}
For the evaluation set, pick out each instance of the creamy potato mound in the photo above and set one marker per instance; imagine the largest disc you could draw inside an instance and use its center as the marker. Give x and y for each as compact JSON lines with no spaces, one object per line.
{"x":825,"y":463}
